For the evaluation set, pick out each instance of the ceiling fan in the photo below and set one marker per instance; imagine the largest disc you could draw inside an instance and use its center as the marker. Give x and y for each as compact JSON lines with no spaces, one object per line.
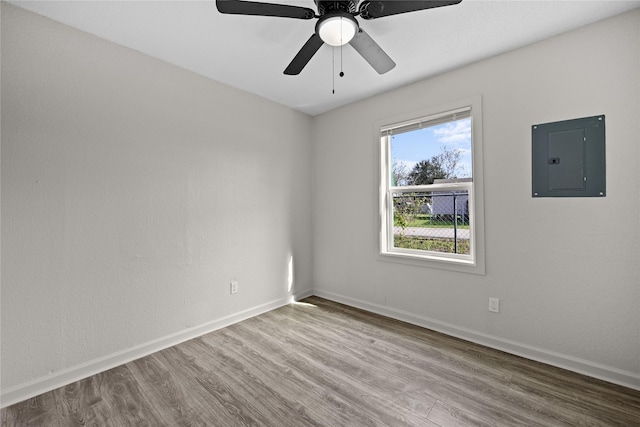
{"x":336,"y":26}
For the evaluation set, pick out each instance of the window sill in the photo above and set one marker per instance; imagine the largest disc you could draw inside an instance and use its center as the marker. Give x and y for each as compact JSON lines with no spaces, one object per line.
{"x":451,"y":263}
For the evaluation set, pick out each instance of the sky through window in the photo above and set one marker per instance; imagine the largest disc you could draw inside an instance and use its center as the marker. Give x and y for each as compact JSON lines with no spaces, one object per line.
{"x":409,"y":148}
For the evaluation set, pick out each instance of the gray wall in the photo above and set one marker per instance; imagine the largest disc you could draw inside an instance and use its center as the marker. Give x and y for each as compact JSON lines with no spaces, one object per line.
{"x":567,"y":271}
{"x":132,"y":193}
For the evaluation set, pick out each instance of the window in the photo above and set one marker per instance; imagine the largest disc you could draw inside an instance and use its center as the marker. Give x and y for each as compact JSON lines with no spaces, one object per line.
{"x":431,"y":189}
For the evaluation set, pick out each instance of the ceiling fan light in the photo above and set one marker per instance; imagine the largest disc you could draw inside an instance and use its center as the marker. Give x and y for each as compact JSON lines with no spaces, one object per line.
{"x":337,"y":30}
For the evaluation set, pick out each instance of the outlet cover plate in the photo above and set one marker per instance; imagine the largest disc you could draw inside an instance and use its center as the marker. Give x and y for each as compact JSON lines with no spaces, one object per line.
{"x":494,"y":305}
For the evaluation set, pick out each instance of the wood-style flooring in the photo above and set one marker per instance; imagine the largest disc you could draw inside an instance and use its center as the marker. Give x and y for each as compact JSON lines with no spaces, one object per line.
{"x":319,"y":363}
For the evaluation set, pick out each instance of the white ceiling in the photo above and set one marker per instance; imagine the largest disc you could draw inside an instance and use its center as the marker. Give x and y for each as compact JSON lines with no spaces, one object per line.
{"x":251,"y":52}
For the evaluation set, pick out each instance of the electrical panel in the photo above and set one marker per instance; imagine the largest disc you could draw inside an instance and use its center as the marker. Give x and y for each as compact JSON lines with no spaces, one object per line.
{"x":568,"y":158}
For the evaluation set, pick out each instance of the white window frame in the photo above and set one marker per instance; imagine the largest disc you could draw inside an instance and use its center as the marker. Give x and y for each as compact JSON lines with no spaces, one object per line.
{"x":475,"y":261}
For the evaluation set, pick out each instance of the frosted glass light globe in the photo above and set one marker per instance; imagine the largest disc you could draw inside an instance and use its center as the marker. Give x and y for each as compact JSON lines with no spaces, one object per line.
{"x":337,"y":30}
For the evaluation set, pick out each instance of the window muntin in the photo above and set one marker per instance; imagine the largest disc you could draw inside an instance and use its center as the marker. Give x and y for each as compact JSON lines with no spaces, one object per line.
{"x":431,"y":215}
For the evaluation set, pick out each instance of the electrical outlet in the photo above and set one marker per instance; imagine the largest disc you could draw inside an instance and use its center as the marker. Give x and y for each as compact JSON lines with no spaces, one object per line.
{"x":494,"y":305}
{"x":233,"y":288}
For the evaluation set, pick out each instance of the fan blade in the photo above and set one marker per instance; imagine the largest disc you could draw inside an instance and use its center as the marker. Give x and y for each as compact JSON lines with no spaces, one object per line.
{"x":378,"y":9}
{"x":304,"y":56}
{"x":240,"y":7}
{"x":371,"y":52}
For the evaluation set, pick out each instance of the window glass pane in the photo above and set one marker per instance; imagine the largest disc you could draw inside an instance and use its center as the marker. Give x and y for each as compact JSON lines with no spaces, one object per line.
{"x":435,"y":221}
{"x":441,"y":151}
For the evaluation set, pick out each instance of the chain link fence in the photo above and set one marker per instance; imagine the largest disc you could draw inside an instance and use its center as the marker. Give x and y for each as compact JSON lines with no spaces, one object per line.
{"x":436,"y":221}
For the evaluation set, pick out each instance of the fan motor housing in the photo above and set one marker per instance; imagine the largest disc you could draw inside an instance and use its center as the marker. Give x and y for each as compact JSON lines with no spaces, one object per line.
{"x":327,"y":6}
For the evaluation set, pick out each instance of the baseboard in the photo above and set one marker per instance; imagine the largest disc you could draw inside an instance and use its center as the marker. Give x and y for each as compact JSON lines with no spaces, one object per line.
{"x":59,"y":379}
{"x":581,"y":366}
{"x":67,"y":376}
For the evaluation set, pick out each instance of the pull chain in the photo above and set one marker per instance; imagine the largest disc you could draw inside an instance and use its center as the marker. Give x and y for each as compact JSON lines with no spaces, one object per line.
{"x":333,"y":69}
{"x":333,"y":63}
{"x":341,"y":44}
{"x":341,"y":72}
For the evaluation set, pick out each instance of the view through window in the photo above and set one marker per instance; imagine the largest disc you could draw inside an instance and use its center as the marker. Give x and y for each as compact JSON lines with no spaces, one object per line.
{"x":429,"y":186}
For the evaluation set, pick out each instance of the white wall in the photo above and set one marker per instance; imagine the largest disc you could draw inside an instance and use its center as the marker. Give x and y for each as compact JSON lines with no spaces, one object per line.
{"x":567,"y":271}
{"x":132,"y":193}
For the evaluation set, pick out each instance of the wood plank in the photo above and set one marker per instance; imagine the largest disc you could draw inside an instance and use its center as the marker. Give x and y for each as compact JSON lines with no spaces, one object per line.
{"x":38,"y":411}
{"x":450,"y":416}
{"x":81,"y":403}
{"x":167,"y":392}
{"x":207,"y":392}
{"x":123,"y":398}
